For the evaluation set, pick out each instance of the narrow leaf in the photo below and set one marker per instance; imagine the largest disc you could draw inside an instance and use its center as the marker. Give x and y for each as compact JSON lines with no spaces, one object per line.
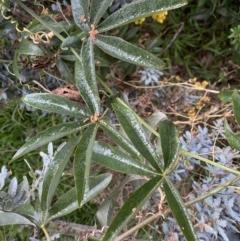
{"x":98,"y":8}
{"x":82,"y":162}
{"x":10,"y":218}
{"x":80,"y":10}
{"x":54,"y":173}
{"x":48,"y":135}
{"x":119,"y":139}
{"x":136,"y":134}
{"x":106,"y":210}
{"x":131,"y":208}
{"x":125,"y":51}
{"x":109,"y":156}
{"x":85,"y":88}
{"x":169,"y":142}
{"x":233,"y":139}
{"x":179,"y":211}
{"x":88,"y":69}
{"x":236,"y":105}
{"x":138,"y":10}
{"x":67,"y":203}
{"x":29,"y":48}
{"x":55,"y":103}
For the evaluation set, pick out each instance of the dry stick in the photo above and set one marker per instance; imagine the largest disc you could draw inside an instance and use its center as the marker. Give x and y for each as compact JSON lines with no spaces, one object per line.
{"x":174,"y":38}
{"x":48,"y":91}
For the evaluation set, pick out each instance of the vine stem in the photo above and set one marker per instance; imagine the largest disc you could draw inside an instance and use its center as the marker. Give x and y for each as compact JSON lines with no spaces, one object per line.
{"x":33,"y":14}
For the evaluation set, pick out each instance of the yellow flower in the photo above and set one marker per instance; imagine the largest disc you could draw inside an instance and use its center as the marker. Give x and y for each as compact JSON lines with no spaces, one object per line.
{"x":160,"y":17}
{"x":140,"y":21}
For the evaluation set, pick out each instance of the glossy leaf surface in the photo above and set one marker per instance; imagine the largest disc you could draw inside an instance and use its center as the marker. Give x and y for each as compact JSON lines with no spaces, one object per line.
{"x":54,"y":173}
{"x":98,"y":8}
{"x":80,"y":14}
{"x":48,"y":135}
{"x":67,"y":203}
{"x":29,"y":48}
{"x":9,"y":218}
{"x":136,"y":134}
{"x":119,"y":139}
{"x":138,"y":10}
{"x":88,"y":85}
{"x":233,"y":139}
{"x":131,"y":208}
{"x":56,"y":104}
{"x":125,"y":51}
{"x":82,"y":162}
{"x":86,"y":89}
{"x":109,"y":156}
{"x":236,"y":105}
{"x":169,"y":142}
{"x":179,"y":210}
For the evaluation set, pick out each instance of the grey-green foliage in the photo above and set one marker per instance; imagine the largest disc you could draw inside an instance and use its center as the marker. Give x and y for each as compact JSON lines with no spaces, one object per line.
{"x":139,"y":158}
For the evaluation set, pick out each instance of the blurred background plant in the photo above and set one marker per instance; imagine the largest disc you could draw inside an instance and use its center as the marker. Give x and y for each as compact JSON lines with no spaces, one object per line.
{"x":198,"y":42}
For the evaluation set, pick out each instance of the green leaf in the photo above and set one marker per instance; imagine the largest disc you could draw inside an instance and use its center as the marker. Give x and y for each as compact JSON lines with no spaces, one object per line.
{"x":131,"y":208}
{"x":48,"y":135}
{"x":10,"y":218}
{"x":80,"y":14}
{"x":67,"y":203}
{"x":136,"y":134}
{"x":15,"y":66}
{"x":125,"y":51}
{"x":106,"y":210}
{"x":56,"y":104}
{"x":28,"y":211}
{"x":136,"y":11}
{"x":233,"y":139}
{"x":64,"y":70}
{"x":169,"y":142}
{"x":68,"y":41}
{"x":82,"y":162}
{"x":98,"y":8}
{"x":85,"y":88}
{"x":29,"y":48}
{"x":109,"y":156}
{"x":226,"y":95}
{"x":54,"y":173}
{"x":119,"y":139}
{"x":236,"y":105}
{"x":179,"y":211}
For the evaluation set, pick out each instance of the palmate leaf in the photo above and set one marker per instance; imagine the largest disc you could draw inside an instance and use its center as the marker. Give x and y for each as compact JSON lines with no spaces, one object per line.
{"x":135,"y":133}
{"x":169,"y":142}
{"x":179,"y":210}
{"x":109,"y":156}
{"x":125,"y":51}
{"x":138,"y":10}
{"x":54,"y":173}
{"x":48,"y":135}
{"x":67,"y":203}
{"x":82,"y":162}
{"x":56,"y":104}
{"x":131,"y":207}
